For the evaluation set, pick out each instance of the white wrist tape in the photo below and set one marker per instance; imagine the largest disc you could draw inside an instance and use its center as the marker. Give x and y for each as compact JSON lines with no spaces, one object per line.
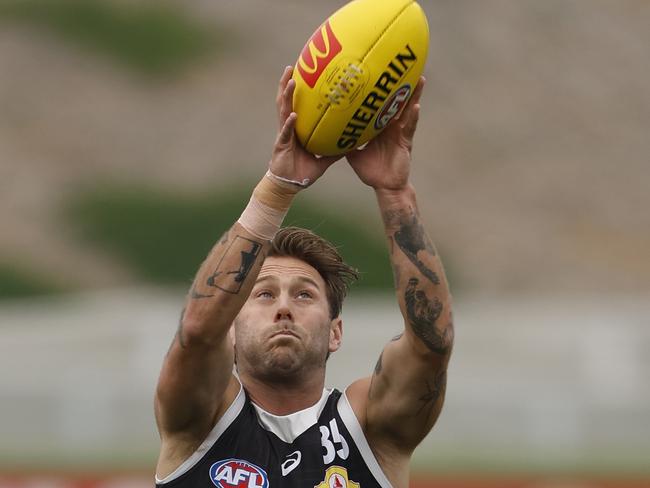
{"x":268,"y":206}
{"x":261,"y":220}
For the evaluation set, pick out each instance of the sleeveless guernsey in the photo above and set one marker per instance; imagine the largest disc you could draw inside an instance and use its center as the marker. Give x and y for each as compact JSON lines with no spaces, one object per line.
{"x":322,"y":446}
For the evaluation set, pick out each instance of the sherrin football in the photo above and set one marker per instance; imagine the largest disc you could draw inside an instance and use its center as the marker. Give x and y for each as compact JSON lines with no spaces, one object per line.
{"x":357,"y":72}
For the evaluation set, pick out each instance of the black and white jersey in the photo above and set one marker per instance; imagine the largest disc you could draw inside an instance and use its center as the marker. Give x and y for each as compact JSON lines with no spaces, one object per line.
{"x":322,"y":446}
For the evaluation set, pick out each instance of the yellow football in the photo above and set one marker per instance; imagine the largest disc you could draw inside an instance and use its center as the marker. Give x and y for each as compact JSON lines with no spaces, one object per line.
{"x":357,"y":72}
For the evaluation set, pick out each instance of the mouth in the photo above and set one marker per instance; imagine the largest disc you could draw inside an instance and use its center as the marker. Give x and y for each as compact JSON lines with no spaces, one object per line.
{"x":284,"y":333}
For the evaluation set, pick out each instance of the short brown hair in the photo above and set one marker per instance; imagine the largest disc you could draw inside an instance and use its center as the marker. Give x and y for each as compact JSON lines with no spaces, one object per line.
{"x":322,"y":256}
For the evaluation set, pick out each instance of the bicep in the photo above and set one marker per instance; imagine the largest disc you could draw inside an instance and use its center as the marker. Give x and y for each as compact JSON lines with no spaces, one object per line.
{"x":193,"y":385}
{"x":406,"y":392}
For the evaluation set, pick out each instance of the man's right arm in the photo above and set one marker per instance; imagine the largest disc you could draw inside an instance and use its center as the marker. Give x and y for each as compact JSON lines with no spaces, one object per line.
{"x":193,"y":384}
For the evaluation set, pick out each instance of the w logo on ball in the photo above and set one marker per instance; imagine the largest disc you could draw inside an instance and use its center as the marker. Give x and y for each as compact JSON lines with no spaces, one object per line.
{"x":317,"y":54}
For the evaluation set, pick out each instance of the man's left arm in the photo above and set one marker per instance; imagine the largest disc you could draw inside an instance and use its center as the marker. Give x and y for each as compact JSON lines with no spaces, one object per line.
{"x":407,"y":388}
{"x":398,"y":405}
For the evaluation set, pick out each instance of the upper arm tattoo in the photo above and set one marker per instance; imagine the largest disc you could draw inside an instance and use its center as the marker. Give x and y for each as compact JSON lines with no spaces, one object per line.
{"x":378,"y":366}
{"x":433,"y":393}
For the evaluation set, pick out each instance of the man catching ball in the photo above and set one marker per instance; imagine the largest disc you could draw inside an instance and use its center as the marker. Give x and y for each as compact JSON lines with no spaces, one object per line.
{"x":267,"y":300}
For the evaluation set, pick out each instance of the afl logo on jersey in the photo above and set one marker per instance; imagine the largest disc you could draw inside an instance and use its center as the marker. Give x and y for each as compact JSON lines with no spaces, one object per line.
{"x":236,"y":473}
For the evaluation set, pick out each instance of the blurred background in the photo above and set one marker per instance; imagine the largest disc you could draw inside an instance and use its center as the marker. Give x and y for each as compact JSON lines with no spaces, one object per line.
{"x":131,"y":134}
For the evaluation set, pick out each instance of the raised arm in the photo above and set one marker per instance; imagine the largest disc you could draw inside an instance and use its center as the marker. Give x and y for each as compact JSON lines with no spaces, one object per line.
{"x":400,"y":402}
{"x":196,"y":384}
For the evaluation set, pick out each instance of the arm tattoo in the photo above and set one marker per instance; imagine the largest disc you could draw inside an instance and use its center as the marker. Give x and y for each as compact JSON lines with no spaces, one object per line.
{"x":432,"y":395}
{"x":397,"y":275}
{"x":179,"y":332}
{"x":412,"y":239}
{"x":379,"y":365}
{"x":196,"y":295}
{"x":422,"y":314}
{"x":231,"y":280}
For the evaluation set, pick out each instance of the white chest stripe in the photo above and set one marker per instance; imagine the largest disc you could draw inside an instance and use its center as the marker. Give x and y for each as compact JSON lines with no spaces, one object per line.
{"x":288,"y":427}
{"x":353,"y":426}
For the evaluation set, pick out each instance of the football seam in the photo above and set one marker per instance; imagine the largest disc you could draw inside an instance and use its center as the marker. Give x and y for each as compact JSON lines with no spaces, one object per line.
{"x":329,"y":105}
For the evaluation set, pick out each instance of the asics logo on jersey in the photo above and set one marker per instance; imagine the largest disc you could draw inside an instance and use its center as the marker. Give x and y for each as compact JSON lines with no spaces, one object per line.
{"x":237,"y":473}
{"x":292,"y":462}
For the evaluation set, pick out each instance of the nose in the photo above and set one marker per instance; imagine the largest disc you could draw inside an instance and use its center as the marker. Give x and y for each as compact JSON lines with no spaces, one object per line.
{"x":283,"y":312}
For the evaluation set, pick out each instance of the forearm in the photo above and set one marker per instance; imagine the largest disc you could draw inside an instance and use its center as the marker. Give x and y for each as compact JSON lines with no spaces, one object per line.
{"x":225,"y":279}
{"x":420,"y":282}
{"x":222,"y":285}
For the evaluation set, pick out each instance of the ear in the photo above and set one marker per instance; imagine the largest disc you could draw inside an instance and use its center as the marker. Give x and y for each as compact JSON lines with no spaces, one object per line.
{"x":336,"y":334}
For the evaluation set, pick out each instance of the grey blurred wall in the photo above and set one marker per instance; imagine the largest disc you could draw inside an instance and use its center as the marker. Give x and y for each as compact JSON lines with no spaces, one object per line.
{"x":535,"y":384}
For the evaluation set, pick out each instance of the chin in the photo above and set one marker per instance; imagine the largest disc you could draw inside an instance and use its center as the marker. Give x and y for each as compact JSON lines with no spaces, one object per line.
{"x":284,"y":365}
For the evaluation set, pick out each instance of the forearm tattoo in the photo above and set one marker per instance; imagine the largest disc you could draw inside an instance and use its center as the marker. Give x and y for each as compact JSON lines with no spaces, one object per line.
{"x":412,"y":239}
{"x":422,"y":314}
{"x":225,"y":277}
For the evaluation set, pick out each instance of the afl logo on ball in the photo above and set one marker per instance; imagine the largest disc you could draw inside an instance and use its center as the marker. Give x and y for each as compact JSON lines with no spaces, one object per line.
{"x":236,"y":473}
{"x":393,"y":106}
{"x":317,"y":54}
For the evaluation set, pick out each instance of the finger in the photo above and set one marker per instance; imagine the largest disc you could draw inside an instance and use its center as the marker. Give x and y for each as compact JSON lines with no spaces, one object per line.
{"x":415,"y":98}
{"x":286,"y":106}
{"x":284,"y":79}
{"x":286,"y":76}
{"x":411,"y":113}
{"x":287,"y":131}
{"x":411,"y":123}
{"x":417,"y":93}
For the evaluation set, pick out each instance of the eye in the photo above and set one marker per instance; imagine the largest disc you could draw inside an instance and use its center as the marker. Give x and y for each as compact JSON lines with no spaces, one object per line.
{"x":305,"y":294}
{"x":264,"y":294}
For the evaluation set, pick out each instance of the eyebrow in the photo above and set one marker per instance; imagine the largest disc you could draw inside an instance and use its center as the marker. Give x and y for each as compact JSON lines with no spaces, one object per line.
{"x":299,"y":278}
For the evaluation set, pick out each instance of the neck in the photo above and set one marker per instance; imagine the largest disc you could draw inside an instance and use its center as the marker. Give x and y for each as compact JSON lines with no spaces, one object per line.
{"x":283,"y":398}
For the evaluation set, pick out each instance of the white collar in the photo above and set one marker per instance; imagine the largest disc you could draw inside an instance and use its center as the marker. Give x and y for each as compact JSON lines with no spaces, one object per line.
{"x":288,"y":427}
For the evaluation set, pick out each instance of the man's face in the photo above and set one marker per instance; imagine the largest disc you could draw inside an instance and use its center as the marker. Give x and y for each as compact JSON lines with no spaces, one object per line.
{"x":284,"y":329}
